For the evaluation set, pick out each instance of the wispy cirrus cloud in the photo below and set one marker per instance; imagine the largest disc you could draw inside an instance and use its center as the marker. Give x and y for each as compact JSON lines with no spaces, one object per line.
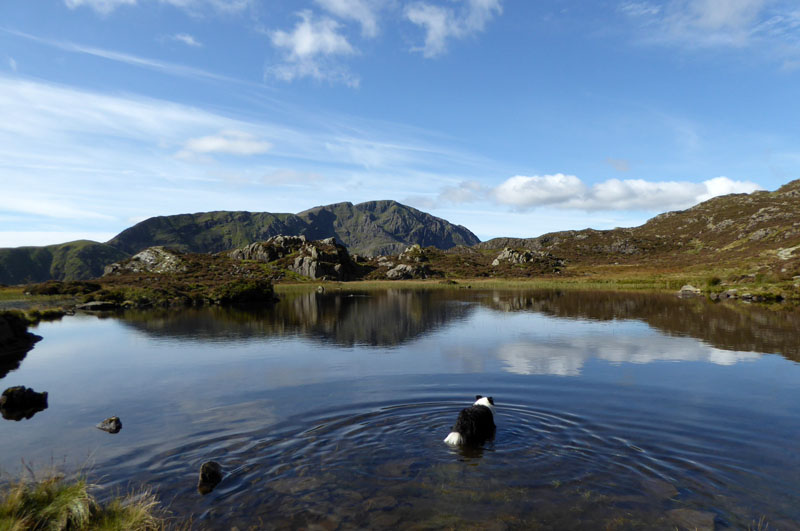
{"x":125,"y":58}
{"x":310,"y":50}
{"x":104,"y":7}
{"x":697,"y":24}
{"x":443,"y":23}
{"x":12,"y":64}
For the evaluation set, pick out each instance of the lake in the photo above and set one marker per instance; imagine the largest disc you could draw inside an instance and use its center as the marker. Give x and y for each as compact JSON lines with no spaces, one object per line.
{"x":328,"y":410}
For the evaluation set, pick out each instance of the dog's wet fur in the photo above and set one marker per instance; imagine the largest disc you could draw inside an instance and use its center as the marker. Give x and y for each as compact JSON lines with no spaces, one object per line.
{"x":475,"y":424}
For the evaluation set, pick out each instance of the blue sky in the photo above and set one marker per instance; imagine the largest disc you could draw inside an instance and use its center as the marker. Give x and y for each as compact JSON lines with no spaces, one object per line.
{"x":513,"y":118}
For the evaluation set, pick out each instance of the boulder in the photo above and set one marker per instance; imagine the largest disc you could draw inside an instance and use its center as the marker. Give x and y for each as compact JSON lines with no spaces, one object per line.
{"x":110,"y":425}
{"x":689,"y":291}
{"x":406,"y":271}
{"x":17,"y":403}
{"x":210,"y":476}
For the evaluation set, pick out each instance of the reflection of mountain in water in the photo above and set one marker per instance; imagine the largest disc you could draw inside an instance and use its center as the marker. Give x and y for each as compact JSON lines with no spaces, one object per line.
{"x":379,"y":318}
{"x":728,"y":326}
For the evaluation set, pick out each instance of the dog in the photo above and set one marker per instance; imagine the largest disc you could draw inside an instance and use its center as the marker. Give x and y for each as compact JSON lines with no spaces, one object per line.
{"x":475,"y":424}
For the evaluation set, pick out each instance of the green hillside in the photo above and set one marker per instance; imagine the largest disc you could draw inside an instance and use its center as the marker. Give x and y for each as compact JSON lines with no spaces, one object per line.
{"x":80,"y":259}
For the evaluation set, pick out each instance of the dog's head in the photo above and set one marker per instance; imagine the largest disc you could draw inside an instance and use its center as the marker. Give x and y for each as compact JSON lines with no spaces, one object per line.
{"x":487,"y":401}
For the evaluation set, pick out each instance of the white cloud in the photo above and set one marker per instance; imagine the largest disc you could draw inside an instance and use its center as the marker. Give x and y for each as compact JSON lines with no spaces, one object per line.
{"x":12,"y":64}
{"x":308,"y":50}
{"x":101,"y":6}
{"x":525,"y":192}
{"x":569,"y":192}
{"x":444,"y":23}
{"x":187,"y":39}
{"x":362,"y":11}
{"x":226,"y":142}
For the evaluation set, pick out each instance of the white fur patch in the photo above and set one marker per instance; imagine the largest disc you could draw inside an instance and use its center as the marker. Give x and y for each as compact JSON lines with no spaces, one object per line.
{"x":453,"y":439}
{"x":483,"y":401}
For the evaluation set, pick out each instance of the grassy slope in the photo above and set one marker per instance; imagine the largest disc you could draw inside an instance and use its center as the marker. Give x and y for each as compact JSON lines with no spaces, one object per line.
{"x":734,"y":234}
{"x":80,"y":259}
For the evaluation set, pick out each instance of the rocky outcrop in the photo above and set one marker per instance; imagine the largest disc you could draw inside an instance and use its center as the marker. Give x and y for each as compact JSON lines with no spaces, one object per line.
{"x":524,"y":256}
{"x":269,"y":250}
{"x":19,"y":403}
{"x":408,"y":271}
{"x":414,"y":253}
{"x":319,"y":260}
{"x":151,"y":260}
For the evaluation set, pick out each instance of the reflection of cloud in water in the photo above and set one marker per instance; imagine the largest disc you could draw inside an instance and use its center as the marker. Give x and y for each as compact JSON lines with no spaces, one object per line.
{"x":566,"y":357}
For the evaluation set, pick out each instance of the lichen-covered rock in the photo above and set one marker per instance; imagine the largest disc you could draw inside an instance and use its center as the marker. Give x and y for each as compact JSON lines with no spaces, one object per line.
{"x":544,"y":259}
{"x":414,"y":253}
{"x":151,"y":260}
{"x":20,"y":402}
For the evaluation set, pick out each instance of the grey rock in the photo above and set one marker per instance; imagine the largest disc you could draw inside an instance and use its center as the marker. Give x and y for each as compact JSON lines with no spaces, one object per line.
{"x":110,"y":425}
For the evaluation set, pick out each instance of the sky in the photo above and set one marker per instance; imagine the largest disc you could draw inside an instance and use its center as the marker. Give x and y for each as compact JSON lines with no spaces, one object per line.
{"x":510,"y":117}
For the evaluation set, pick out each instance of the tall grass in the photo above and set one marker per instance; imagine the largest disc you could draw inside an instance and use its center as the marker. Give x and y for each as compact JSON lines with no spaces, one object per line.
{"x":57,"y":504}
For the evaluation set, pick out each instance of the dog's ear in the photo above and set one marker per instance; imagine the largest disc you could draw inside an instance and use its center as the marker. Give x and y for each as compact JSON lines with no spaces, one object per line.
{"x":491,"y":400}
{"x":478,"y":397}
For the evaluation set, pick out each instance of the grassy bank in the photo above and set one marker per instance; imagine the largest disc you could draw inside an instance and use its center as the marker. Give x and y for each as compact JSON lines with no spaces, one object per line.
{"x":55,"y":503}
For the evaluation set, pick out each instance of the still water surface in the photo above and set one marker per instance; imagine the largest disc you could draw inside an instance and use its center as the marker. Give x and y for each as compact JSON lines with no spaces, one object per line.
{"x":613,"y":410}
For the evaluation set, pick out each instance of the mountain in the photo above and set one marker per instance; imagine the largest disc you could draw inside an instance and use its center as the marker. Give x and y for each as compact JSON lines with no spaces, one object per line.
{"x":80,"y":259}
{"x":376,"y":227}
{"x":757,"y":230}
{"x":372,"y":228}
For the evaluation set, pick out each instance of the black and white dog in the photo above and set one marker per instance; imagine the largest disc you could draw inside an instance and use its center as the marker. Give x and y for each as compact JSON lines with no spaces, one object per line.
{"x":475,"y":424}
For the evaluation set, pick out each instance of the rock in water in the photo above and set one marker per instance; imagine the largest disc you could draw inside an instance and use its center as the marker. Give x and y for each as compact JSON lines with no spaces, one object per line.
{"x":111,"y":425}
{"x":17,"y":403}
{"x":210,"y":476}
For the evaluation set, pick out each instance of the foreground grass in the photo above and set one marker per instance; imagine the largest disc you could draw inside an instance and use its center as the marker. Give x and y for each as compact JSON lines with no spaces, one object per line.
{"x":56,"y":504}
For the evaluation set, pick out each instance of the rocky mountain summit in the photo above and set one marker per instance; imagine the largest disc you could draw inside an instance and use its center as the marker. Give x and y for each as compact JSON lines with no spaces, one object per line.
{"x":366,"y":229}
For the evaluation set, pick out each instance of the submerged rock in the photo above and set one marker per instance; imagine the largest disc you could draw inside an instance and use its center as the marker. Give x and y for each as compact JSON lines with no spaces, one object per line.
{"x":210,"y":476}
{"x":19,"y":403}
{"x":111,"y":425}
{"x":691,"y":519}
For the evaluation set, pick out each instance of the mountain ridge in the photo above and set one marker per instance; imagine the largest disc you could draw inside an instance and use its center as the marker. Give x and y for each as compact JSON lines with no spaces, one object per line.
{"x":370,"y":228}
